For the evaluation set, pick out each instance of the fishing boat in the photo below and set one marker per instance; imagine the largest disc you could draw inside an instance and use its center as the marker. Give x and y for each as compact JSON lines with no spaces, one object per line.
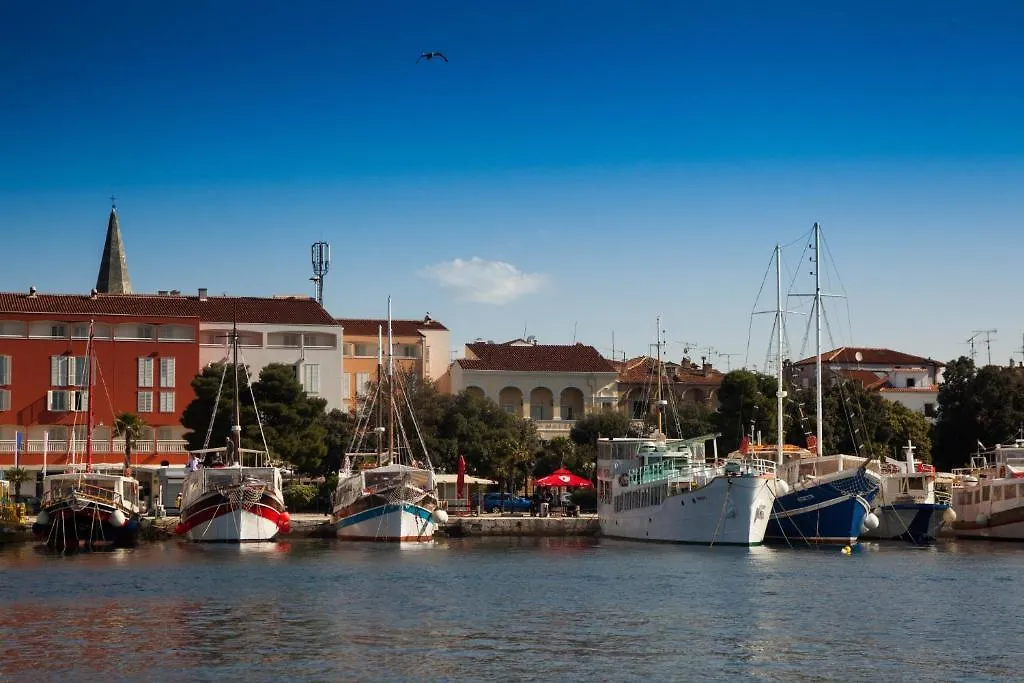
{"x":824,"y":498}
{"x":909,"y":506}
{"x":224,"y":499}
{"x":672,"y":490}
{"x":385,"y":493}
{"x":83,"y":508}
{"x":989,"y":495}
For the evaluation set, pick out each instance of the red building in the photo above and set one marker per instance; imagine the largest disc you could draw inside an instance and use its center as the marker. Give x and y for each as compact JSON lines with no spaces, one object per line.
{"x":145,"y":362}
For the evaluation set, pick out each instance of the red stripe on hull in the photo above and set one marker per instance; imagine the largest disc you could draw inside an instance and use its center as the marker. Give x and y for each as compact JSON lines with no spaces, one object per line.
{"x":213,"y":511}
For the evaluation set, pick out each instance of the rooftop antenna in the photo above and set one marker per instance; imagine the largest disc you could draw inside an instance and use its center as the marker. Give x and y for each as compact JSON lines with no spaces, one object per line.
{"x":988,"y":343}
{"x":321,"y":264}
{"x":728,"y":359}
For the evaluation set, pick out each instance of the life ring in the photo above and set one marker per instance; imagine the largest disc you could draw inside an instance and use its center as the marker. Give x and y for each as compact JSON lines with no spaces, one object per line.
{"x":624,"y":479}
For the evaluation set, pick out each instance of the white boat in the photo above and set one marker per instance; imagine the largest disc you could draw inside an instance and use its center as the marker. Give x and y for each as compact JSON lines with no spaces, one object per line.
{"x":83,"y":508}
{"x":909,"y":507}
{"x":668,"y":490}
{"x":989,"y":496}
{"x":386,"y":494}
{"x":226,"y":501}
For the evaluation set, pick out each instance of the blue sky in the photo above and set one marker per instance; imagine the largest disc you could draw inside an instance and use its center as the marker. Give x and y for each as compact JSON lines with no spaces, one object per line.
{"x":575,"y":170}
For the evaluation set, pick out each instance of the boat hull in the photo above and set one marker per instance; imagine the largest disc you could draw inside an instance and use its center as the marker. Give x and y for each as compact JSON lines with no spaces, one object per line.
{"x":1002,"y":525}
{"x":917,"y":523}
{"x":389,"y":522}
{"x":70,"y":527}
{"x":214,"y":519}
{"x":729,"y":510}
{"x":831,"y":512}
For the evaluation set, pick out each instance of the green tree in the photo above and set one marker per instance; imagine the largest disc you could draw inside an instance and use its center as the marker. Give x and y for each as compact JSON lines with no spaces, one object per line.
{"x":338,"y":426}
{"x":687,"y":419}
{"x":17,"y":476}
{"x":745,"y":398}
{"x":553,"y":454}
{"x":128,"y":426}
{"x":299,"y":497}
{"x":293,"y":423}
{"x":603,"y":424}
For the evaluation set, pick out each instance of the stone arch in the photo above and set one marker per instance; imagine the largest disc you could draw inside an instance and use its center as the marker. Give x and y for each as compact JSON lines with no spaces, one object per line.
{"x":542,"y":404}
{"x":570,"y":404}
{"x":511,"y":400}
{"x":476,"y":391}
{"x":694,"y":394}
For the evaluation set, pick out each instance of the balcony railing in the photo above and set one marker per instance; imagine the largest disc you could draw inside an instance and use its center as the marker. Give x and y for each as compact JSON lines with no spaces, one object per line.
{"x":548,"y":429}
{"x":115,"y":446}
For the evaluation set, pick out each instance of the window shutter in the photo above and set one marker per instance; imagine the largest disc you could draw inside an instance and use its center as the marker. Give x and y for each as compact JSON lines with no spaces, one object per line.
{"x":346,"y":385}
{"x":5,"y":370}
{"x":5,"y":400}
{"x":54,"y":371}
{"x":167,"y":372}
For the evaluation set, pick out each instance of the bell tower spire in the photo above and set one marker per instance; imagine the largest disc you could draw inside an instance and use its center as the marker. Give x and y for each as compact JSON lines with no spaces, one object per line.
{"x":113,"y":276}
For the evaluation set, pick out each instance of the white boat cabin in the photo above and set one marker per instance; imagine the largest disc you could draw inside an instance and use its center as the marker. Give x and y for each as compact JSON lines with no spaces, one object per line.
{"x":113,"y":489}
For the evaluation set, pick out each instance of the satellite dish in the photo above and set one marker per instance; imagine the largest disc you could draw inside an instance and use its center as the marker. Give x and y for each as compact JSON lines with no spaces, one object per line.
{"x":859,"y":356}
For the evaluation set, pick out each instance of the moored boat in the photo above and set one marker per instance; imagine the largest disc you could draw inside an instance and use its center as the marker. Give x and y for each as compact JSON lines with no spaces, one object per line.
{"x":386,"y":493}
{"x":909,"y":507}
{"x":989,"y":495}
{"x":668,"y":490}
{"x":85,"y":509}
{"x":224,"y":500}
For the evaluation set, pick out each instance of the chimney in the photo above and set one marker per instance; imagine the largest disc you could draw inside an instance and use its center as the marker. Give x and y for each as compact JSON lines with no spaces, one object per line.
{"x":32,"y":292}
{"x":202,"y":293}
{"x":94,"y":293}
{"x":175,"y":292}
{"x":160,"y":292}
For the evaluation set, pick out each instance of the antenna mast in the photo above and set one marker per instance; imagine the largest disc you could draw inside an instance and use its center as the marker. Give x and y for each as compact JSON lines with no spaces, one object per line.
{"x":321,"y":264}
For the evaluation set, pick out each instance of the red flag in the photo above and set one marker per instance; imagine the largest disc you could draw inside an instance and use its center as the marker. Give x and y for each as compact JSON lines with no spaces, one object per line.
{"x":812,"y":443}
{"x":745,"y":444}
{"x":460,"y":482}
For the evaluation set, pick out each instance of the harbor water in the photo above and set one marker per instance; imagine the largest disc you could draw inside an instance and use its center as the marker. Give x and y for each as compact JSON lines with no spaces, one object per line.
{"x":512,"y":609}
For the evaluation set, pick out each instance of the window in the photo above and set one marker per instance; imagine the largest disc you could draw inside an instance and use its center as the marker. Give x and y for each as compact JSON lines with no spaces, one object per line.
{"x":166,"y":401}
{"x":509,"y":408}
{"x":144,"y":332}
{"x":319,"y":340}
{"x":146,"y":372}
{"x":346,"y":385}
{"x":929,"y":410}
{"x":78,"y":366}
{"x":362,"y":382}
{"x":407,"y":350}
{"x":311,"y":378}
{"x":366,"y":350}
{"x":78,"y":401}
{"x":348,"y":349}
{"x":166,"y":372}
{"x":60,"y":371}
{"x":5,"y":370}
{"x":165,"y":433}
{"x":567,"y":413}
{"x":59,"y":331}
{"x":11,"y":328}
{"x":5,"y":400}
{"x":291,"y":340}
{"x":145,"y":402}
{"x":536,"y":411}
{"x":57,"y":401}
{"x":911,"y":382}
{"x":80,"y":331}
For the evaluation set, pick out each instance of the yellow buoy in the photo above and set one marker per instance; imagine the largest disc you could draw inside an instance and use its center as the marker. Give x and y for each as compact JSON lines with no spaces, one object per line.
{"x":847,"y":550}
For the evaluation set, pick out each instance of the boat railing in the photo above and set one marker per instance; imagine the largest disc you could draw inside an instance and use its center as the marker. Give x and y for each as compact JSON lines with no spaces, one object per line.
{"x":943,"y":497}
{"x":694,"y":473}
{"x":754,"y":466}
{"x":83,"y":490}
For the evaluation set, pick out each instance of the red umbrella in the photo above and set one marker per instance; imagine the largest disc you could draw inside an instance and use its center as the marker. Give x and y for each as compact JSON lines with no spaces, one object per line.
{"x":563,"y":477}
{"x":460,"y":481}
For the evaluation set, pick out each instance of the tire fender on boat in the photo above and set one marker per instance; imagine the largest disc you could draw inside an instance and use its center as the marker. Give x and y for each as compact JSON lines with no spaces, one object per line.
{"x":117,"y":519}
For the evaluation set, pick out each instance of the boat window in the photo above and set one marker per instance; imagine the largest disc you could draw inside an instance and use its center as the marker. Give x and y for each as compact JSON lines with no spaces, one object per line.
{"x":916,"y":483}
{"x":997,"y":493}
{"x":985,"y":493}
{"x":1010,"y":491}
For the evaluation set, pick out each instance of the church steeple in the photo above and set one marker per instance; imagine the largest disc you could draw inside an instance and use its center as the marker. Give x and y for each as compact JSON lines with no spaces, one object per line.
{"x":113,"y":277}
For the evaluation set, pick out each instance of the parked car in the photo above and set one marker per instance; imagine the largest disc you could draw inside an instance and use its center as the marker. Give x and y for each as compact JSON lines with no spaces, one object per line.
{"x":509,"y":502}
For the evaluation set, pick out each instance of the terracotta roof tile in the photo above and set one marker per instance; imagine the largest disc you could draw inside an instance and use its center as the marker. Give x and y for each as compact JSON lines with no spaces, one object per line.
{"x":244,"y":309}
{"x":365,"y":327}
{"x":869,"y":356}
{"x":535,"y":358}
{"x":865,"y":378}
{"x":643,"y":369}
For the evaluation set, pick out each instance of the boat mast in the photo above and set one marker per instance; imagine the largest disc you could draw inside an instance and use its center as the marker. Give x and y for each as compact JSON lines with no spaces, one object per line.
{"x":88,"y":425}
{"x":658,"y":346}
{"x":380,"y":378}
{"x":817,"y":338}
{"x":779,"y":393}
{"x":391,"y":390}
{"x":236,"y":429}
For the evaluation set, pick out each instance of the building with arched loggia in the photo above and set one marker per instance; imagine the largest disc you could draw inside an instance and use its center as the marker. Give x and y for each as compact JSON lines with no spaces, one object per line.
{"x":552,"y":384}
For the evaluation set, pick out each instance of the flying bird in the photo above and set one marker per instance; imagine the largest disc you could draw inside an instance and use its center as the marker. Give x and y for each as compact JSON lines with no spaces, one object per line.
{"x":430,"y":55}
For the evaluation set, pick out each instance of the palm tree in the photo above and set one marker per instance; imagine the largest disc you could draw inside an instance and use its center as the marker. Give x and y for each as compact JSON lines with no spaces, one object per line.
{"x":17,"y":476}
{"x":129,"y":426}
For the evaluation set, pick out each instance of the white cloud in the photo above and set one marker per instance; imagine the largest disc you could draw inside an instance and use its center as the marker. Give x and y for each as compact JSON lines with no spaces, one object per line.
{"x":485,"y":282}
